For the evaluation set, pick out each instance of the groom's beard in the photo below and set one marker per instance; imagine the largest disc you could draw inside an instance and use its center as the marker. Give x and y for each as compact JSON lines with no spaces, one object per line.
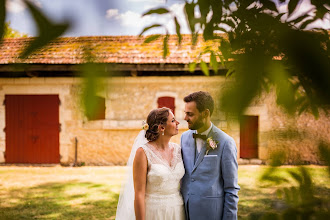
{"x":198,"y":124}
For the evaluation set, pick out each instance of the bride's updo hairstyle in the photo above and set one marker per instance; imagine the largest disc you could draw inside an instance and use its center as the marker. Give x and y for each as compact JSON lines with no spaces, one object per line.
{"x":155,"y":118}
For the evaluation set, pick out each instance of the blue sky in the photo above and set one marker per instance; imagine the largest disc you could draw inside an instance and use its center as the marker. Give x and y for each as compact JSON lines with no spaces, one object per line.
{"x":106,"y":17}
{"x":96,"y":17}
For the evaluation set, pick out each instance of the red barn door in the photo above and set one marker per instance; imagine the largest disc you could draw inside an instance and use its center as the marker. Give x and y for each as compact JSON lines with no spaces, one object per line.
{"x":249,"y":137}
{"x":32,"y":128}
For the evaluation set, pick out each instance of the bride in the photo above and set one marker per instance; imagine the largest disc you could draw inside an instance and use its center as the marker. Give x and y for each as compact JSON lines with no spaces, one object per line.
{"x":155,"y":170}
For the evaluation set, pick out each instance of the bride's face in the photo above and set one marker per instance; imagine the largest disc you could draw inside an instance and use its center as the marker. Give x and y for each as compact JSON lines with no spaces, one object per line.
{"x":171,"y":127}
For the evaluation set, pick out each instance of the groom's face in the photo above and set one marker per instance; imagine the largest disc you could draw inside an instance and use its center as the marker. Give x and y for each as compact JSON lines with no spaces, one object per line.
{"x":193,"y":116}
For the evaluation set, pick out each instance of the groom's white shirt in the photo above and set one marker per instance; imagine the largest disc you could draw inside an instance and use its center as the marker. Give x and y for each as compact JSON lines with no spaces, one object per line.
{"x":200,"y":142}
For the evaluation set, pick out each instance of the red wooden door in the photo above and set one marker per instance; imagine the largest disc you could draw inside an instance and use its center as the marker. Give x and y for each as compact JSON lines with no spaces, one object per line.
{"x":168,"y":102}
{"x":249,"y":137}
{"x":32,"y":129}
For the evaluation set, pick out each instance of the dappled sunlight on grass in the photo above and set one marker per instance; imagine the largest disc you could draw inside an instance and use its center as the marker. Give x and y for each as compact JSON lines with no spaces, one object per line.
{"x":92,"y":192}
{"x":65,"y":200}
{"x":258,"y":196}
{"x":59,"y":192}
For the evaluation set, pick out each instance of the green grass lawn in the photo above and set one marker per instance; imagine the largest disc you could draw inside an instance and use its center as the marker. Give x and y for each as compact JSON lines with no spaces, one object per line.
{"x":92,"y":192}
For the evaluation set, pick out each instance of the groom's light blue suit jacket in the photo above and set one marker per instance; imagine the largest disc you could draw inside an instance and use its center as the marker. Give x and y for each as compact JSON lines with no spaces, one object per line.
{"x":209,"y":186}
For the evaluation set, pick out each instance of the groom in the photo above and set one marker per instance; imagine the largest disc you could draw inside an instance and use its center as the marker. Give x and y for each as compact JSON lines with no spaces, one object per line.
{"x":209,"y":186}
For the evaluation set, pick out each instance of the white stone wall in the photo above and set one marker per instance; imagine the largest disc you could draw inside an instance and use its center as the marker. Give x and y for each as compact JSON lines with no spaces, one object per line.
{"x":128,"y":102}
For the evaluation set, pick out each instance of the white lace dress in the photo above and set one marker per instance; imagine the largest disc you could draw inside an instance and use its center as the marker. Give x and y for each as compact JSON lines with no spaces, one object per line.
{"x":163,"y":198}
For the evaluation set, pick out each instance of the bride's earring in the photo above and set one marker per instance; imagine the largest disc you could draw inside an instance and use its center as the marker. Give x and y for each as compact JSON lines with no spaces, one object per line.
{"x":163,"y":133}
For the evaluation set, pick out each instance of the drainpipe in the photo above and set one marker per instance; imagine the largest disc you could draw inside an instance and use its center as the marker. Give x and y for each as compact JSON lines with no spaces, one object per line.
{"x":75,"y":151}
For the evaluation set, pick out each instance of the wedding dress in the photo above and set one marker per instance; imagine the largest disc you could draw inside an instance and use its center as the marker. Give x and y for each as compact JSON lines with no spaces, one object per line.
{"x":163,"y":198}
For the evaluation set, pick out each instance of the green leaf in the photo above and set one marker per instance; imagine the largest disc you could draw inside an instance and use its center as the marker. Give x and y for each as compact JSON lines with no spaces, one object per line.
{"x":151,"y":38}
{"x":194,"y":37}
{"x":192,"y":67}
{"x":296,"y":176}
{"x":292,"y":5}
{"x":220,"y":29}
{"x":284,"y":88}
{"x":92,"y":83}
{"x":230,"y":22}
{"x":214,"y":63}
{"x":239,"y":93}
{"x":189,"y":9}
{"x":221,"y":60}
{"x":177,"y":28}
{"x":303,"y":108}
{"x":204,"y":8}
{"x":2,"y":18}
{"x":321,"y":11}
{"x":217,"y":7}
{"x":204,"y":68}
{"x":271,"y":175}
{"x":305,"y":23}
{"x":147,"y":28}
{"x":156,"y":11}
{"x":269,"y":5}
{"x":165,"y":46}
{"x":315,"y":111}
{"x":230,"y":72}
{"x":279,"y":193}
{"x":299,"y":19}
{"x":208,"y":31}
{"x":48,"y":30}
{"x":225,"y":49}
{"x":324,"y":149}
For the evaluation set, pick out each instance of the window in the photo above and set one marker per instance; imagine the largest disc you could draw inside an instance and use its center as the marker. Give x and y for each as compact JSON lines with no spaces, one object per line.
{"x":97,"y":111}
{"x":168,"y":102}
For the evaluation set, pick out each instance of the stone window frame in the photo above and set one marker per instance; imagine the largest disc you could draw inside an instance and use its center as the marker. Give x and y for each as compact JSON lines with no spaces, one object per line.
{"x":167,"y":94}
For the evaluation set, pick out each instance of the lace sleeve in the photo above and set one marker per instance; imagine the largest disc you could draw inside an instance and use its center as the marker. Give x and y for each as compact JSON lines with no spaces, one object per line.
{"x":147,"y":152}
{"x":177,"y":150}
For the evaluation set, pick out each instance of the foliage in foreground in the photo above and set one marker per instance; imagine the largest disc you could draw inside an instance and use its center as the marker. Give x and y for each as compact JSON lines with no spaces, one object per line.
{"x":299,"y":200}
{"x":261,"y":46}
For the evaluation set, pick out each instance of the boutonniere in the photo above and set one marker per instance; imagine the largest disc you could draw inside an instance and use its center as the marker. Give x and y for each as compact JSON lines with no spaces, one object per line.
{"x":211,"y":144}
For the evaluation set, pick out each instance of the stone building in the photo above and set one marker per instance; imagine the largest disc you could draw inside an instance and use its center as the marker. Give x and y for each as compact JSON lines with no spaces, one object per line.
{"x":42,"y":119}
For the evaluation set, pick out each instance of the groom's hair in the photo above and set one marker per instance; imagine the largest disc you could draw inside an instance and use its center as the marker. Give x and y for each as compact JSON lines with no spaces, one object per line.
{"x":202,"y":99}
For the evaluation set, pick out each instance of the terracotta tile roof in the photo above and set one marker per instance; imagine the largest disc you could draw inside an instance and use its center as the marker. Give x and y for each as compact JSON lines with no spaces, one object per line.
{"x":105,"y":49}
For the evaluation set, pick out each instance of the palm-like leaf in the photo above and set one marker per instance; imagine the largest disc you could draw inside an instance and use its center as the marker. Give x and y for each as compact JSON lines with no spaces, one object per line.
{"x":48,"y":30}
{"x":2,"y":18}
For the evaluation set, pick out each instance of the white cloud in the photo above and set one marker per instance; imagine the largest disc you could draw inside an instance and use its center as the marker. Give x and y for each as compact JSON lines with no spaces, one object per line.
{"x":134,"y":20}
{"x":17,"y":6}
{"x":112,"y":13}
{"x":131,"y":19}
{"x":325,"y":23}
{"x":147,"y":7}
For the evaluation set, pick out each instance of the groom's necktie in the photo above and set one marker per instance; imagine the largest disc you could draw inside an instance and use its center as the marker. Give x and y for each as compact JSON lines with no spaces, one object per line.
{"x":201,"y":136}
